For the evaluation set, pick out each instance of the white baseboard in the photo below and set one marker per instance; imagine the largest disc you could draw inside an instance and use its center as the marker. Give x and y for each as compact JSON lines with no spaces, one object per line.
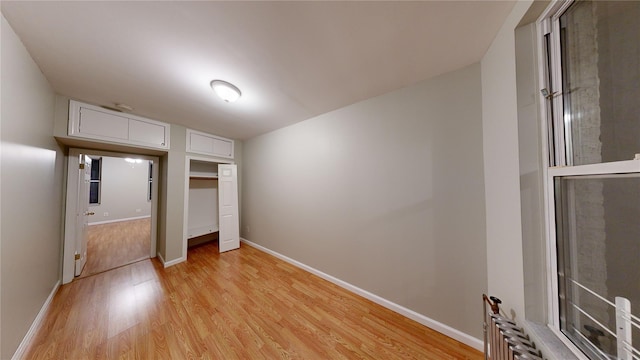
{"x":35,"y":326}
{"x":119,"y":220}
{"x":426,"y":321}
{"x":166,"y":264}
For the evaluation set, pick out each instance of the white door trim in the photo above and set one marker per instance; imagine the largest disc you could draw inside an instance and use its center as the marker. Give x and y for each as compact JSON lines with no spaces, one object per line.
{"x":185,"y":220}
{"x":68,"y":260}
{"x":69,"y":247}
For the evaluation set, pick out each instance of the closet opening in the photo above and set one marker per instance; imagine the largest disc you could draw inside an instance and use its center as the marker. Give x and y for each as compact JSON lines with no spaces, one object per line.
{"x":211,"y":204}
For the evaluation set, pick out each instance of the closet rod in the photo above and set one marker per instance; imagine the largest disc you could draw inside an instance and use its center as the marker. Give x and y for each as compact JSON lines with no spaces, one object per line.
{"x":204,"y":177}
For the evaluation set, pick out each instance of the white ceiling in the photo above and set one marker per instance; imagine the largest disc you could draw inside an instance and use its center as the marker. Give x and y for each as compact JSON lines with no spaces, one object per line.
{"x":292,"y":60}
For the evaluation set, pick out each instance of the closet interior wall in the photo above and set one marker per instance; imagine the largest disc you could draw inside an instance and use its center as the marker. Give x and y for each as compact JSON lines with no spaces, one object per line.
{"x":203,"y":202}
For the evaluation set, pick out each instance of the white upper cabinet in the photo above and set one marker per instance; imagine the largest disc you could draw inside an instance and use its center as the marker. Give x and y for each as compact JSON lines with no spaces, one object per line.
{"x":93,"y":122}
{"x":207,"y":144}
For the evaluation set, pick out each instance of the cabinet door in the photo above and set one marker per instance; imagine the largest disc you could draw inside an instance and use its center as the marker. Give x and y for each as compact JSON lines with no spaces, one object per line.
{"x":101,"y":125}
{"x":223,"y":147}
{"x":146,"y":133}
{"x":93,"y":122}
{"x":203,"y":143}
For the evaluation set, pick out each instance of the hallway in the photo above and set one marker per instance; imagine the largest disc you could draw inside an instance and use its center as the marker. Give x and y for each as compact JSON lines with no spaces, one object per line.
{"x":116,"y":244}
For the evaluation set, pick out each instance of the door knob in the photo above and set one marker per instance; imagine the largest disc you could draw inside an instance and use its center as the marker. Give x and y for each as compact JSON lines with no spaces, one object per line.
{"x":91,"y":213}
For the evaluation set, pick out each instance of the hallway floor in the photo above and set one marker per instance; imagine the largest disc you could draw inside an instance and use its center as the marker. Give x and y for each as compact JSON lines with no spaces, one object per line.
{"x":116,"y":244}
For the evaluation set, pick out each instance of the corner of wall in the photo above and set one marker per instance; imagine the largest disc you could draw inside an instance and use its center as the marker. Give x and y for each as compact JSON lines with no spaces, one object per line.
{"x":162,"y":207}
{"x":531,"y":178}
{"x":61,"y":116}
{"x":34,"y":161}
{"x":502,"y":170}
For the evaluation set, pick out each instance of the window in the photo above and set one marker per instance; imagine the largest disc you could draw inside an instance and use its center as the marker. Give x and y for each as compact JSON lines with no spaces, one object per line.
{"x":592,"y":91}
{"x":150,"y":185}
{"x":94,"y":183}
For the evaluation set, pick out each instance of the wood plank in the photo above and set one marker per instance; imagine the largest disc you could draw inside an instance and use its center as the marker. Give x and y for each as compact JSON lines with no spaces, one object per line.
{"x":116,"y":244}
{"x":243,"y":304}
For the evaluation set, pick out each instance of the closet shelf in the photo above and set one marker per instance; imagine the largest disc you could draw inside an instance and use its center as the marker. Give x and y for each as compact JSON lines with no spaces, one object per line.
{"x":203,"y":177}
{"x":202,"y":230}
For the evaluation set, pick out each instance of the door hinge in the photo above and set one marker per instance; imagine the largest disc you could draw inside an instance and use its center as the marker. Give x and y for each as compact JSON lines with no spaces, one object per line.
{"x":77,"y":256}
{"x":81,"y":166}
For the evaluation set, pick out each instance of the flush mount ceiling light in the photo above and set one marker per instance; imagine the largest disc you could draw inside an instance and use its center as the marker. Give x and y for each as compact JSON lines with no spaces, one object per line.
{"x":226,"y":91}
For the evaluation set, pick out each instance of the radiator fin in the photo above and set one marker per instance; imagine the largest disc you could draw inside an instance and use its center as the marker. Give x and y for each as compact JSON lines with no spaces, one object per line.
{"x":507,"y":341}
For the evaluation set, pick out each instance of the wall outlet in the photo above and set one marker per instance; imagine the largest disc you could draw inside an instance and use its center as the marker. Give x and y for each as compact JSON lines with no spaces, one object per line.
{"x":105,"y":214}
{"x":138,"y":210}
{"x":247,"y":228}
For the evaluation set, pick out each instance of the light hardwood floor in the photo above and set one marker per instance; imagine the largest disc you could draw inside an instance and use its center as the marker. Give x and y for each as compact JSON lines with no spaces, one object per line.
{"x":242,"y":304}
{"x":116,"y":244}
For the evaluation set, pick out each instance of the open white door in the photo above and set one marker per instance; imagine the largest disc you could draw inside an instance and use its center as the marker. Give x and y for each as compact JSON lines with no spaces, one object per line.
{"x":229,"y":233}
{"x":82,"y":213}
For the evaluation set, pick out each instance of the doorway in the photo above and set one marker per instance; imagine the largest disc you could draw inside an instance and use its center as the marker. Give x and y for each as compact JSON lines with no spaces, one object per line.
{"x":119,"y":216}
{"x":211,"y":203}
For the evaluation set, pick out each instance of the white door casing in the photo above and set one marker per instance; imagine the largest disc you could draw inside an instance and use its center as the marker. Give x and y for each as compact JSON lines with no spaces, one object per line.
{"x":73,"y":210}
{"x":82,"y":214}
{"x":228,"y":221}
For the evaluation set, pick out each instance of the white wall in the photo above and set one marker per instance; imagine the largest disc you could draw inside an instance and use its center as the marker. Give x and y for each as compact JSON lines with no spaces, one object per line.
{"x":174,"y":196}
{"x":203,"y":203}
{"x":31,"y":187}
{"x":502,"y":167}
{"x":531,"y":165}
{"x":386,"y":194}
{"x":124,"y":191}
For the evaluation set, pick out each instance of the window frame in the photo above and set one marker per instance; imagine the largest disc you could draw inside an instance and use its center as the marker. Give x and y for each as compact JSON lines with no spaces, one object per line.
{"x":150,"y":182}
{"x":98,"y":181}
{"x":555,"y":160}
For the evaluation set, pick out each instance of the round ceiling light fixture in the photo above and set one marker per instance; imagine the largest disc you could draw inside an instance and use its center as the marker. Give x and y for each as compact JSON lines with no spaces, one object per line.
{"x":226,"y":90}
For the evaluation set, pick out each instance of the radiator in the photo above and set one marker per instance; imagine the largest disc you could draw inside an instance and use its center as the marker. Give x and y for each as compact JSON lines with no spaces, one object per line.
{"x":503,"y":339}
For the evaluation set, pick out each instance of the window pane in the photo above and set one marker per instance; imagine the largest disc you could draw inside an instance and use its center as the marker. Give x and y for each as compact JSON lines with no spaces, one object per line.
{"x":150,"y":180}
{"x":600,"y":44}
{"x":598,"y":233}
{"x":95,"y":169}
{"x":94,"y":192}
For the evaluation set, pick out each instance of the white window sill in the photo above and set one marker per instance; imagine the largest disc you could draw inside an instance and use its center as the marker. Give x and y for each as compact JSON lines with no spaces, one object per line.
{"x":546,"y":341}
